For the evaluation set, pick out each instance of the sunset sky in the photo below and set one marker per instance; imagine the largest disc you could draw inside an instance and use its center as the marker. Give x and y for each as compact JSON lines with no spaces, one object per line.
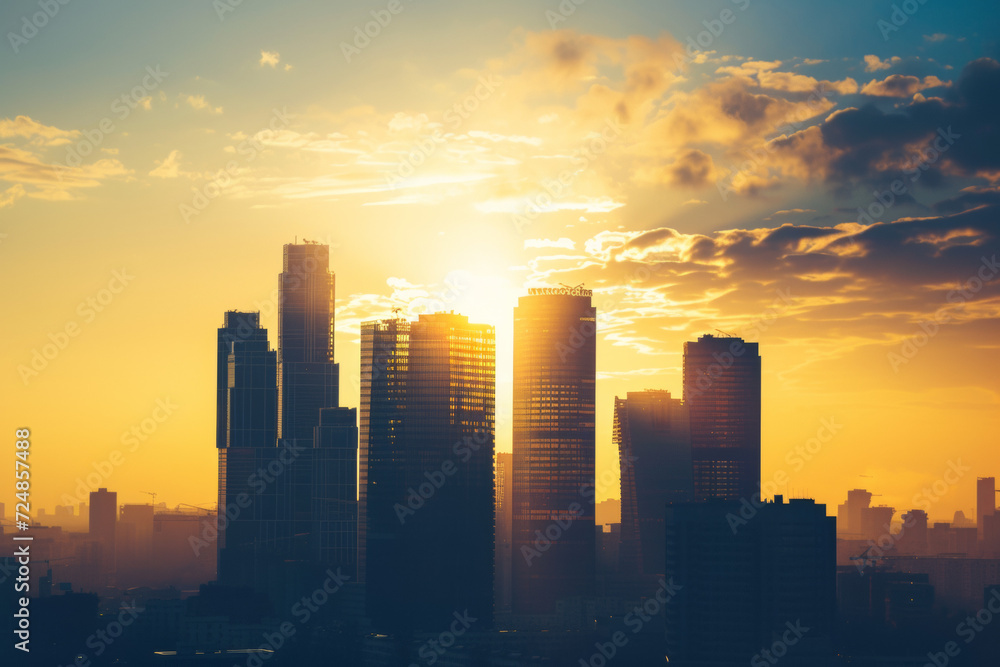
{"x":699,"y":165}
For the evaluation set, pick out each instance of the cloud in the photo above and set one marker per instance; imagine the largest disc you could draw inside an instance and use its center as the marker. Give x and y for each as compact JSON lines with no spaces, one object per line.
{"x":169,"y":167}
{"x":936,"y":37}
{"x":692,"y":169}
{"x":199,"y":103}
{"x":563,"y":242}
{"x":39,"y":134}
{"x":874,"y":63}
{"x":875,"y":147}
{"x":899,"y":85}
{"x":11,"y":195}
{"x":269,"y":58}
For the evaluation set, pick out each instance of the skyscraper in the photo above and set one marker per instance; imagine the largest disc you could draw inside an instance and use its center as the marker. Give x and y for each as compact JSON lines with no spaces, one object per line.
{"x":308,"y":378}
{"x":986,"y":502}
{"x":722,"y":392}
{"x":385,"y":354}
{"x":335,"y":488}
{"x":553,"y":449}
{"x":653,"y":434}
{"x":103,"y":525}
{"x":247,"y":395}
{"x":503,"y":486}
{"x":430,"y":495}
{"x":744,"y":584}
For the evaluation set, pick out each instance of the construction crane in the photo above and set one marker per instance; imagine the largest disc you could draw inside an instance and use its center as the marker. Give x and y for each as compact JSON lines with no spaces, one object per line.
{"x":865,"y":558}
{"x":726,"y":333}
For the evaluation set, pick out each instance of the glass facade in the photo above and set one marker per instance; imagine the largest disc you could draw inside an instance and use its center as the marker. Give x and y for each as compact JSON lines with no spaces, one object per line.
{"x":431,"y":412}
{"x":553,"y":450}
{"x":722,"y":392}
{"x":308,"y":378}
{"x":652,"y":432}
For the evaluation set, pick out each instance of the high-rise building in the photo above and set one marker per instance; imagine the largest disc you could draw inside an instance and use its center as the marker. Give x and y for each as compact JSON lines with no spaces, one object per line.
{"x":385,"y":353}
{"x":430,"y":496}
{"x":722,"y":392}
{"x":554,"y":449}
{"x":652,"y":432}
{"x":103,"y":524}
{"x":503,"y":486}
{"x":247,"y":403}
{"x":308,"y":378}
{"x":335,"y":489}
{"x":743,"y":584}
{"x":986,"y":502}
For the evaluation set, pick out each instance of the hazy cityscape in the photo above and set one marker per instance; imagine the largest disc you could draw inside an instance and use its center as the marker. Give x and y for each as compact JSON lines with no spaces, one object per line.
{"x":544,"y":333}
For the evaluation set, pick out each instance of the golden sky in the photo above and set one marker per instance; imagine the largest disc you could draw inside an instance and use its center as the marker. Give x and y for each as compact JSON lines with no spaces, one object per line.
{"x":457,"y":159}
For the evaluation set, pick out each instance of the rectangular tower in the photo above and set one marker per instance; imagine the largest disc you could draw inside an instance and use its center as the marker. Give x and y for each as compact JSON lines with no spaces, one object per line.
{"x":722,"y":392}
{"x":553,"y":554}
{"x":652,"y":432}
{"x":430,"y":497}
{"x":308,"y":378}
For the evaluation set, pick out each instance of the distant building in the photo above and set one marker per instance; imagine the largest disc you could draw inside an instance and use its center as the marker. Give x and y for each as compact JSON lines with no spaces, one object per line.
{"x":652,"y":433}
{"x":746,"y":582}
{"x":103,"y":528}
{"x":722,"y":393}
{"x":986,"y":499}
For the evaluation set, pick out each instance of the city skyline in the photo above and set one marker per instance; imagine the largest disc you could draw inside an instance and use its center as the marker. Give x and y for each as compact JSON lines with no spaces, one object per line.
{"x":689,"y":143}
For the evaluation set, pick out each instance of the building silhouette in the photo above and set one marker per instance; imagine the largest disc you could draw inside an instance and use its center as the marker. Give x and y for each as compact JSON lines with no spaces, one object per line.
{"x":745,"y":582}
{"x":247,"y":395}
{"x":103,"y":528}
{"x":652,"y":433}
{"x":308,"y":378}
{"x":429,"y":496}
{"x":986,"y":503}
{"x":335,"y":489}
{"x":553,"y":449}
{"x":288,"y":466}
{"x":503,"y":487}
{"x":385,"y":353}
{"x":722,"y":392}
